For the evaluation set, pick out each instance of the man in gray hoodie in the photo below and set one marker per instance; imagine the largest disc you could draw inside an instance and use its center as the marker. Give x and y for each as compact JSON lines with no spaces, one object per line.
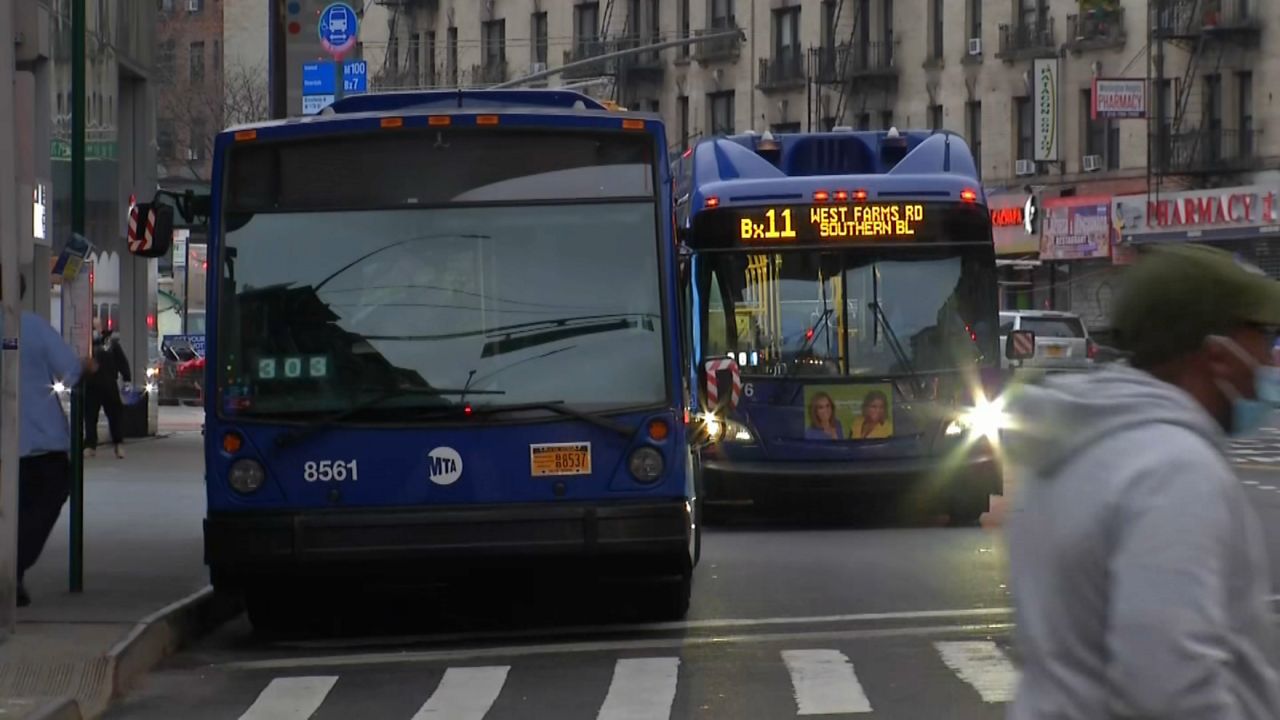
{"x":1139,"y":572}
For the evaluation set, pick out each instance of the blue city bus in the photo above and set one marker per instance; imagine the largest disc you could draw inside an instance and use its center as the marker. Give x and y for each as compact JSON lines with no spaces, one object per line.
{"x":445,"y":337}
{"x":843,"y":319}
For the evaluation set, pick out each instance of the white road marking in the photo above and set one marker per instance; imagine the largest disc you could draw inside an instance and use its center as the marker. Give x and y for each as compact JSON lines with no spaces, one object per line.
{"x":594,"y":646}
{"x":1250,"y":482}
{"x":294,"y":698}
{"x":984,"y":666}
{"x":825,"y":683}
{"x":716,"y":624}
{"x":1266,"y":487}
{"x":464,"y":694}
{"x":642,"y":689}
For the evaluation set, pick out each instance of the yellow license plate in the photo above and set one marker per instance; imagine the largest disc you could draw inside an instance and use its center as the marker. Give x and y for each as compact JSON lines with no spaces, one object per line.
{"x":560,"y":459}
{"x":1055,"y":351}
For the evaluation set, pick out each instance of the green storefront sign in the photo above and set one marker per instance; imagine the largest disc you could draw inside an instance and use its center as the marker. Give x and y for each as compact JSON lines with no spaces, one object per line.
{"x":60,"y":150}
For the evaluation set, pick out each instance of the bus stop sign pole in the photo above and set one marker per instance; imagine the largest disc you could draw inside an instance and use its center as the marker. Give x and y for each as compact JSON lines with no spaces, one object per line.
{"x":76,"y":564}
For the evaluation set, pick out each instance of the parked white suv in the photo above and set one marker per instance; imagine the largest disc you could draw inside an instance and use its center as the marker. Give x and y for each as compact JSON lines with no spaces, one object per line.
{"x":1062,"y":342}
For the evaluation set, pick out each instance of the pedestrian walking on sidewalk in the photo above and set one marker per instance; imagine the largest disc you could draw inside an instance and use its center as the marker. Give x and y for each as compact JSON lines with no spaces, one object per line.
{"x":44,"y":469}
{"x":102,"y":392}
{"x":1139,"y":573}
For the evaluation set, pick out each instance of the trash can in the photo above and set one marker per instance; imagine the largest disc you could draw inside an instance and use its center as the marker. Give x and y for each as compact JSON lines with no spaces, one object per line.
{"x":134,"y":416}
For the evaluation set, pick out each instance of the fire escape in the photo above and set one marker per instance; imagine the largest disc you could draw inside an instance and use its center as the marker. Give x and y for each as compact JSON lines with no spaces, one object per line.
{"x":859,"y":68}
{"x":1190,"y":140}
{"x":631,"y":72}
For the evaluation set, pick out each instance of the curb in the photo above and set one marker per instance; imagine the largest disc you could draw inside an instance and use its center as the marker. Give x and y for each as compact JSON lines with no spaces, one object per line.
{"x":165,"y":632}
{"x":40,"y":708}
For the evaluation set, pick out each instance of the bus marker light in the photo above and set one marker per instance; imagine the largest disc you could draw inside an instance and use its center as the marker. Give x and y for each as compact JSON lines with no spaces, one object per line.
{"x":712,"y":202}
{"x":860,"y":195}
{"x":231,"y":443}
{"x":467,"y":410}
{"x":968,"y":195}
{"x":842,"y":196}
{"x":392,"y":122}
{"x":244,"y":135}
{"x":439,"y":120}
{"x":658,"y":430}
{"x":632,"y":124}
{"x":821,"y":196}
{"x":486,"y":119}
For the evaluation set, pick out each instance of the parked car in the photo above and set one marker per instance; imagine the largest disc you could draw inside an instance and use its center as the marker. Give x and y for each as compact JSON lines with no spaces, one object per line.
{"x":1062,"y":341}
{"x":181,"y":374}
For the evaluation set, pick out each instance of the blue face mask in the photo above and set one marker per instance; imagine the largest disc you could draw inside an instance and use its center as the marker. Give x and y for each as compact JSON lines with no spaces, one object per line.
{"x":1250,"y":414}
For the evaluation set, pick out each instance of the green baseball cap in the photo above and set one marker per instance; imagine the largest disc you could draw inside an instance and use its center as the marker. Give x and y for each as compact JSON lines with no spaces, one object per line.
{"x":1175,"y":296}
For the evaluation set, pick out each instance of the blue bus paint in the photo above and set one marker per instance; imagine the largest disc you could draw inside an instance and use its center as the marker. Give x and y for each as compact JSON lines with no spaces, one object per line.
{"x":411,"y":491}
{"x":820,"y":314}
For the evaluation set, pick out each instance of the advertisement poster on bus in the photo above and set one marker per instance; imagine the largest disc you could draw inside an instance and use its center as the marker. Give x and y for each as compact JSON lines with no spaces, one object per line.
{"x":848,"y":412}
{"x":1076,"y":228}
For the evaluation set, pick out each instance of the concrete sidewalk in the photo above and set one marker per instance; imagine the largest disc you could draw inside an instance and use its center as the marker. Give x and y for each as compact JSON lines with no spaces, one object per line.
{"x":144,"y":581}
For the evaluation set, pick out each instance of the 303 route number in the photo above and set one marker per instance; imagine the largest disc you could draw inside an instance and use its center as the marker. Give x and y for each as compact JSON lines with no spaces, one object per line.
{"x":330,"y":471}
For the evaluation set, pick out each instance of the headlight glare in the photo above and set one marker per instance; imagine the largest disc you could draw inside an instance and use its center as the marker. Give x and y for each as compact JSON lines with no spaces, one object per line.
{"x":646,"y":465}
{"x":985,"y":419}
{"x":246,"y":476}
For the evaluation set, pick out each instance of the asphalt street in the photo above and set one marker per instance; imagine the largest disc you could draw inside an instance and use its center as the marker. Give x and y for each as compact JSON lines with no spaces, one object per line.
{"x":834,"y":618}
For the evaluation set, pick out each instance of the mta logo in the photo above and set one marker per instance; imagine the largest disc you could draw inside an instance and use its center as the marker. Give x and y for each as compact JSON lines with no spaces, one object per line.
{"x":444,"y":465}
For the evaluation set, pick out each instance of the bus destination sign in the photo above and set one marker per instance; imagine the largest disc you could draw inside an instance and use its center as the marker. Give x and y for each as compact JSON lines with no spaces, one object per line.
{"x":831,"y":222}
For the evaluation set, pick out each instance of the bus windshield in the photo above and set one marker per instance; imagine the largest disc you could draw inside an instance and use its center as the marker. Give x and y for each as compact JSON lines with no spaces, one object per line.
{"x":859,"y":313}
{"x":508,"y":302}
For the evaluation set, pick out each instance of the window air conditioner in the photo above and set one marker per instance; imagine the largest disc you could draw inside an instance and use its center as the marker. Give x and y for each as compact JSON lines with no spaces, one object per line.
{"x":975,"y":46}
{"x":193,"y":5}
{"x":535,"y":68}
{"x":1025,"y":167}
{"x":1092,"y":163}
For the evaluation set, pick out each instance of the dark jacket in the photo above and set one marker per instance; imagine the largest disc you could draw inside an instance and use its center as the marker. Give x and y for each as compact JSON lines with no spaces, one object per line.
{"x":112,"y":363}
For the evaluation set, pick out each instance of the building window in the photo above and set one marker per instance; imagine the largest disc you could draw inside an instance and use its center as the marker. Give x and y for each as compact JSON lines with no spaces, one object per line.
{"x":451,"y":62}
{"x":683,"y":11}
{"x":722,"y":14}
{"x":829,"y":18}
{"x":721,"y":105}
{"x":393,"y":54}
{"x":494,"y":42}
{"x":1213,"y":116}
{"x":682,"y":105}
{"x":197,"y":62}
{"x":1244,"y":112}
{"x":973,"y":131}
{"x":216,"y":60}
{"x":935,"y":117}
{"x":975,"y":18}
{"x":1024,"y":128}
{"x":538,"y":22}
{"x":165,"y":142}
{"x":166,"y":58}
{"x":864,"y":121}
{"x":429,"y":60}
{"x":937,"y":37}
{"x":196,"y":140}
{"x":1032,"y":13}
{"x":411,"y":66}
{"x":166,"y":5}
{"x":586,"y":29}
{"x":195,"y":6}
{"x":786,"y":43}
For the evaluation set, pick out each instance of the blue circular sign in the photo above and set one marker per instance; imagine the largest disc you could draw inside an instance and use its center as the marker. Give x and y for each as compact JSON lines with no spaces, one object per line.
{"x":338,"y":28}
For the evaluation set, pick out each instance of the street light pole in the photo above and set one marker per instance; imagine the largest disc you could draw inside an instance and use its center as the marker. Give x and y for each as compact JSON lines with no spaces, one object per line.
{"x":76,"y":559}
{"x":11,"y":335}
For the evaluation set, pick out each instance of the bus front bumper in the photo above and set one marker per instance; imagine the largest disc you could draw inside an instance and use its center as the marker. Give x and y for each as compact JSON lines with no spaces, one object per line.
{"x":737,"y":481}
{"x":326,"y":541}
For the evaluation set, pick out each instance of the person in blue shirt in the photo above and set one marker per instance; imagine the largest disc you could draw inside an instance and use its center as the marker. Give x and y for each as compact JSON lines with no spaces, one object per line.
{"x":44,"y":435}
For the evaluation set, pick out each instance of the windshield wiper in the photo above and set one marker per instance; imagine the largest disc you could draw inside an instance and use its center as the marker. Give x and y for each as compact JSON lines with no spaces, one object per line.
{"x":559,"y":407}
{"x":895,"y":345}
{"x":295,"y":436}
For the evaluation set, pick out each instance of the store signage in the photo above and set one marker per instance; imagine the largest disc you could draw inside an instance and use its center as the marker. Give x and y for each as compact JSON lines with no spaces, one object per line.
{"x":1044,"y":87}
{"x":1014,"y":223}
{"x":1076,"y":228}
{"x":1119,"y":99}
{"x":1222,"y":213}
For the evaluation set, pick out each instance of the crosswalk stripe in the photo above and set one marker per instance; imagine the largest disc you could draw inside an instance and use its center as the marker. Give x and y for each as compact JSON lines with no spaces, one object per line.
{"x":824,"y":683}
{"x":294,"y":698}
{"x":465,"y":693}
{"x":642,"y":689}
{"x":984,"y":666}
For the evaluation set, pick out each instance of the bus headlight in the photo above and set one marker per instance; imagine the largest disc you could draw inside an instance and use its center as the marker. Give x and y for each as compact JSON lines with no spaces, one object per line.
{"x":246,"y":476}
{"x":985,"y":419}
{"x":720,"y":429}
{"x":646,"y":464}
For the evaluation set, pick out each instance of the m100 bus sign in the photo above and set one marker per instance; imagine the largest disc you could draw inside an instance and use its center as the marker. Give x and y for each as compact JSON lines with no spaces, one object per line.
{"x":864,"y":221}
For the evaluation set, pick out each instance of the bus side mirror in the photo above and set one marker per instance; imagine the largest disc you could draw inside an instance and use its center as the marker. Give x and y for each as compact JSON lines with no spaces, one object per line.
{"x":1020,"y":345}
{"x":150,"y":230}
